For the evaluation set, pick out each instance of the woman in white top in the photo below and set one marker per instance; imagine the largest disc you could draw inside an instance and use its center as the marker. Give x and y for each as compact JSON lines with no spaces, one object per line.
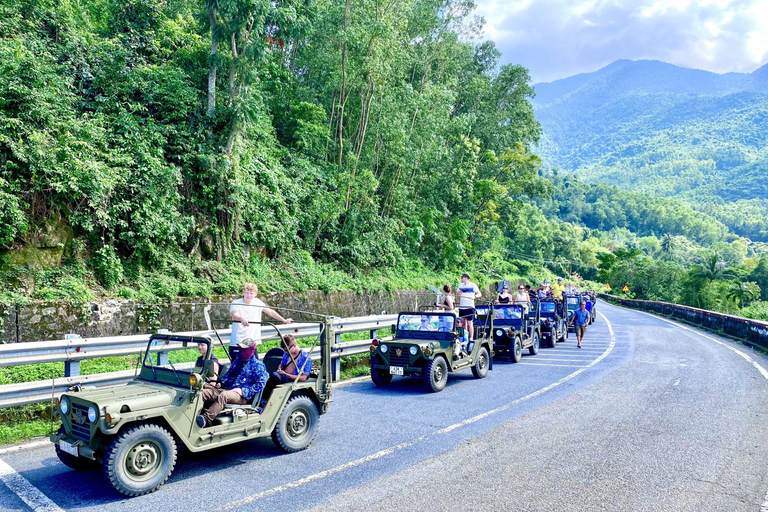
{"x":522,"y":297}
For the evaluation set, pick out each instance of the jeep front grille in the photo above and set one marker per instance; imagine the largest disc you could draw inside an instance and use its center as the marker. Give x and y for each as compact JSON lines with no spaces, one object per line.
{"x":80,"y":431}
{"x":403,"y":360}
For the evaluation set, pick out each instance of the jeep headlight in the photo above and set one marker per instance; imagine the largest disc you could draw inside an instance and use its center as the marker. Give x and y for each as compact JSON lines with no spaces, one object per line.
{"x":64,"y":405}
{"x":414,"y":350}
{"x":93,"y":414}
{"x":499,"y":332}
{"x":384,"y":348}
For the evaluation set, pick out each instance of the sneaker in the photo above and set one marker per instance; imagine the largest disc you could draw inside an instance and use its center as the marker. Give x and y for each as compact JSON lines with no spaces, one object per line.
{"x":201,"y":421}
{"x":259,"y":410}
{"x":455,"y":357}
{"x":262,"y":403}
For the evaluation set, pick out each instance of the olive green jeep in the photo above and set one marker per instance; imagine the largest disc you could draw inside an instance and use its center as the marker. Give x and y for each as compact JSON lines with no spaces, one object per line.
{"x":133,"y":431}
{"x":428,"y":345}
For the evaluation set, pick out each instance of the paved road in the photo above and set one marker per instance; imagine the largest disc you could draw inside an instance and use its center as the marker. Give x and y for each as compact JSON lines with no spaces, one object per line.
{"x":647,"y":416}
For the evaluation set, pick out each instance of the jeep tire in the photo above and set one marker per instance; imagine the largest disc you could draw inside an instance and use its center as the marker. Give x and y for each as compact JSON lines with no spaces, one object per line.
{"x":516,"y":350}
{"x":534,"y":348}
{"x":140,"y":459}
{"x":297,"y":426}
{"x":380,"y":377}
{"x":72,"y":462}
{"x":436,"y":374}
{"x":480,"y":368}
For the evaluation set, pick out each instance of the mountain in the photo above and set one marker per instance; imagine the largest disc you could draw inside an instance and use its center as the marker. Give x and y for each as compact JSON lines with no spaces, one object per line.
{"x":662,"y":129}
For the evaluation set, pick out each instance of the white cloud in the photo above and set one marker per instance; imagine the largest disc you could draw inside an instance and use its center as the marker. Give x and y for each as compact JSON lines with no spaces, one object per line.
{"x":559,"y":38}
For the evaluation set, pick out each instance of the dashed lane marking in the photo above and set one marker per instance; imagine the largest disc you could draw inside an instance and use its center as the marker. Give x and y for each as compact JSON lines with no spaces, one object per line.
{"x":28,"y":493}
{"x":561,"y":365}
{"x":762,"y":370}
{"x":235,"y":505}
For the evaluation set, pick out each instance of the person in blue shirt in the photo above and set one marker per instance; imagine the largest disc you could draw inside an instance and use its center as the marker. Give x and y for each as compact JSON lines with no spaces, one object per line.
{"x":239,"y":385}
{"x":581,"y":320}
{"x":294,"y":361}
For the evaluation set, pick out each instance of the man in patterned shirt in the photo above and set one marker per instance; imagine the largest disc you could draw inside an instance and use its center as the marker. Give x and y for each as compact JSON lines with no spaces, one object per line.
{"x":244,"y":380}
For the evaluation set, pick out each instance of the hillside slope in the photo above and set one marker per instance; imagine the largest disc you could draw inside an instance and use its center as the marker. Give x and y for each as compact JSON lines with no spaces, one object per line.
{"x":654,"y":127}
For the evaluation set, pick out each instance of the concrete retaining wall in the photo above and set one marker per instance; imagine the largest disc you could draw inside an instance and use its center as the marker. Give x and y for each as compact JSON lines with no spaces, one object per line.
{"x":52,"y":320}
{"x":753,"y":331}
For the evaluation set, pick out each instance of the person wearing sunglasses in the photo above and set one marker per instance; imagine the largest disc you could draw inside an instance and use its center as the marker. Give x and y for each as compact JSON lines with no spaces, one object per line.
{"x":504,"y":297}
{"x":522,"y":297}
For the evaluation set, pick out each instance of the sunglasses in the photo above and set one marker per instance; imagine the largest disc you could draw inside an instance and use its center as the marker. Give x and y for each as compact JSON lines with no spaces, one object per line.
{"x":521,"y":288}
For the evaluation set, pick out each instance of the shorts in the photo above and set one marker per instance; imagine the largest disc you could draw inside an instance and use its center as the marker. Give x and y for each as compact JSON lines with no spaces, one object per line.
{"x":580,"y":330}
{"x":468,"y":313}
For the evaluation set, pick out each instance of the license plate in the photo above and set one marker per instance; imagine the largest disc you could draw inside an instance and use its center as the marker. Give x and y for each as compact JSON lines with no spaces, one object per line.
{"x":68,"y":448}
{"x":396,"y":370}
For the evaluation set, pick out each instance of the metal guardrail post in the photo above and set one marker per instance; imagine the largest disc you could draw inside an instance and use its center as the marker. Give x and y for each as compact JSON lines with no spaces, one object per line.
{"x":336,"y":368}
{"x":373,"y":333}
{"x":72,"y":368}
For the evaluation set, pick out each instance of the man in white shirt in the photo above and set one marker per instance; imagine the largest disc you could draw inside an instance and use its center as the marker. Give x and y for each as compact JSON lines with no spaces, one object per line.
{"x":467,"y":292}
{"x":245,"y":311}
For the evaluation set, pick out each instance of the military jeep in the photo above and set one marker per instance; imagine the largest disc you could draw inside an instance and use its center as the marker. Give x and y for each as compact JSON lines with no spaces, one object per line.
{"x":514,"y":330}
{"x":133,"y":431}
{"x":425,"y":345}
{"x":552,"y":321}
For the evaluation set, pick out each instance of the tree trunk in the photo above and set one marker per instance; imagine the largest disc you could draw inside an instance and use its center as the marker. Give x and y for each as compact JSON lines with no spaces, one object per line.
{"x":213,"y":66}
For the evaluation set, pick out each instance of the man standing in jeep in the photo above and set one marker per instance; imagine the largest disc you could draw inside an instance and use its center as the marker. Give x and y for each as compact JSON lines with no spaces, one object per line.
{"x":243,"y":312}
{"x":467,"y":293}
{"x":244,"y":380}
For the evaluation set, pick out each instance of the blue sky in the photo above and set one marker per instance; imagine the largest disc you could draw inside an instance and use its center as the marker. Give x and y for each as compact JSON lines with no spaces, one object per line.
{"x":559,"y":38}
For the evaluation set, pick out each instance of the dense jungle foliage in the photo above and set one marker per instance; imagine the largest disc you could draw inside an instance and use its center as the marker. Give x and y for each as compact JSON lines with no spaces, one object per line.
{"x":156,"y":149}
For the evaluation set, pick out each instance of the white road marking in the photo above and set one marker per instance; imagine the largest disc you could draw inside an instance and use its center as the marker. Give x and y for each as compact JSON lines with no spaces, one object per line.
{"x":28,"y":446}
{"x":764,"y":508}
{"x":762,"y":370}
{"x":573,"y":359}
{"x":563,"y":365}
{"x":234,"y":505}
{"x":677,"y":382}
{"x":28,"y":493}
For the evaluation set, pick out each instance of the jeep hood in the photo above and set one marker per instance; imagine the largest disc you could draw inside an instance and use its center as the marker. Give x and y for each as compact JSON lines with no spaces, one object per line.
{"x":136,"y":395}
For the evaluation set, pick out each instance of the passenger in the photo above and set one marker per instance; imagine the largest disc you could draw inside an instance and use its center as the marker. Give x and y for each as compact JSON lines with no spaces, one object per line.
{"x":581,"y":320}
{"x":461,"y":341}
{"x":521,"y":297}
{"x":444,"y":324}
{"x":243,"y":381}
{"x":571,"y":288}
{"x":425,"y":325}
{"x":243,"y":312}
{"x":448,"y":302}
{"x":203,"y":348}
{"x":467,"y":293}
{"x":557,"y":289}
{"x":531,"y":293}
{"x":294,"y":359}
{"x":543,"y":291}
{"x":504,"y":296}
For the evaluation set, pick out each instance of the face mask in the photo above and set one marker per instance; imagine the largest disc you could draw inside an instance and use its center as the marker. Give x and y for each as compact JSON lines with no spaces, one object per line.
{"x":247,"y":353}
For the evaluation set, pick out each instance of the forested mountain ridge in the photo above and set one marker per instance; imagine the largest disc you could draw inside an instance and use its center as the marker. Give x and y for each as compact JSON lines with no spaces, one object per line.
{"x":665,"y":130}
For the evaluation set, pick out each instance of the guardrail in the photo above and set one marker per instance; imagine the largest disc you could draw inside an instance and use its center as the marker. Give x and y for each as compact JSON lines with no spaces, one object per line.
{"x":75,"y":349}
{"x":753,"y":332}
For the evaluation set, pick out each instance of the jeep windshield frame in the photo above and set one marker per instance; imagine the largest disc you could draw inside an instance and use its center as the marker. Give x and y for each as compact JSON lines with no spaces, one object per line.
{"x":432,"y":326}
{"x":157,"y":366}
{"x":508,"y":314}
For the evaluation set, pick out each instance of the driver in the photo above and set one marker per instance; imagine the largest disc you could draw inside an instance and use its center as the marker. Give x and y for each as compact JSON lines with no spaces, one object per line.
{"x":244,"y":380}
{"x":425,"y":325}
{"x":203,"y":348}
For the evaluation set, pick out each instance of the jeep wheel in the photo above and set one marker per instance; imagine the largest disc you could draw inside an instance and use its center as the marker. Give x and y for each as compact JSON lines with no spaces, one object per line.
{"x":76,"y":463}
{"x":534,"y":348}
{"x":140,"y":459}
{"x":297,"y":426}
{"x":516,"y":351}
{"x":480,"y":368}
{"x":380,"y":377}
{"x":436,"y":374}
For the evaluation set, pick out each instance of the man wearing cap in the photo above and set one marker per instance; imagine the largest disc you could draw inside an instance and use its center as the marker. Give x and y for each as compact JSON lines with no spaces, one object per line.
{"x":558,"y":288}
{"x":244,"y":380}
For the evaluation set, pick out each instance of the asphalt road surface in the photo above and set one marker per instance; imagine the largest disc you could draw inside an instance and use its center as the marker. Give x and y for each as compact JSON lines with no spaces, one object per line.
{"x":649,"y":415}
